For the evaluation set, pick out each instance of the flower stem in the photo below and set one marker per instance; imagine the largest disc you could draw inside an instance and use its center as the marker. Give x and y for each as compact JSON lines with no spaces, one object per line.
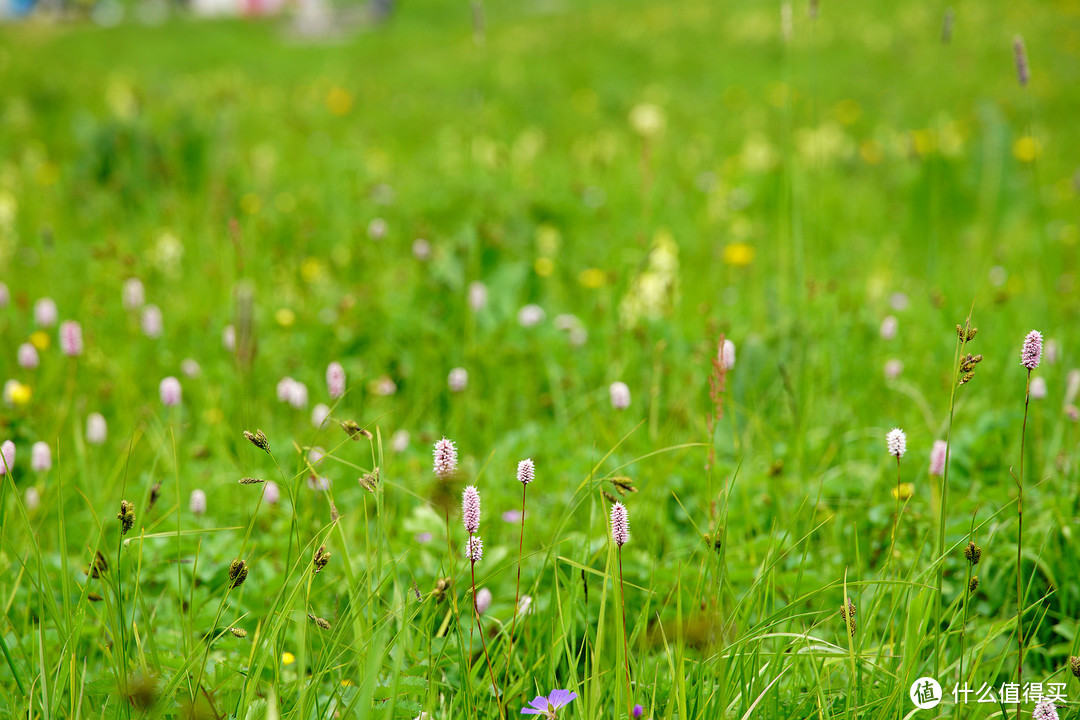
{"x":517,"y":593}
{"x":1020,"y":546}
{"x":483,"y":641}
{"x":626,"y":639}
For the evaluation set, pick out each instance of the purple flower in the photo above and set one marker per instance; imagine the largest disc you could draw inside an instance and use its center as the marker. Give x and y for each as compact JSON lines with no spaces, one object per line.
{"x":40,"y":457}
{"x":620,"y":524}
{"x":28,"y":356}
{"x":474,"y":549}
{"x":470,"y":509}
{"x":7,"y":451}
{"x":45,"y":313}
{"x":170,"y":392}
{"x":548,"y":705}
{"x":638,"y":711}
{"x":445,"y":458}
{"x":1031,"y":352}
{"x":424,"y":538}
{"x":335,"y":380}
{"x":512,"y":516}
{"x":151,"y":322}
{"x":134,"y":295}
{"x":937,"y":457}
{"x":526,"y":471}
{"x":896,"y":442}
{"x":197,"y":503}
{"x":458,"y":379}
{"x":483,"y":600}
{"x":620,"y":395}
{"x":1045,"y":710}
{"x":71,"y":338}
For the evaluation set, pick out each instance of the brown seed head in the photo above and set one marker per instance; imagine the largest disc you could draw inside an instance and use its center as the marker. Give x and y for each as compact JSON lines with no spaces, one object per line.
{"x":258,"y":439}
{"x":126,"y":516}
{"x":238,"y":573}
{"x":322,"y":556}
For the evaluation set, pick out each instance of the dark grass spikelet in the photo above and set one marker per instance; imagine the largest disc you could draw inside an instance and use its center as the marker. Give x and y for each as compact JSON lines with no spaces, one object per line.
{"x":126,"y":516}
{"x":609,"y":497}
{"x":322,"y":556}
{"x":370,"y":481}
{"x":238,"y":572}
{"x":94,"y":597}
{"x":973,"y":584}
{"x":251,"y":481}
{"x":321,"y":622}
{"x":238,"y":632}
{"x":354,"y":431}
{"x":1023,"y":72}
{"x":99,"y":566}
{"x":973,"y":553}
{"x":947,"y":26}
{"x":1074,"y":666}
{"x":258,"y":439}
{"x":847,"y":614}
{"x":155,"y":494}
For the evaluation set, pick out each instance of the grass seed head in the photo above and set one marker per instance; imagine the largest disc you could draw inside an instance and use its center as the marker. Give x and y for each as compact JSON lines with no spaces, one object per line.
{"x":322,"y":556}
{"x":258,"y":439}
{"x":973,"y":553}
{"x":238,"y":572}
{"x":126,"y":516}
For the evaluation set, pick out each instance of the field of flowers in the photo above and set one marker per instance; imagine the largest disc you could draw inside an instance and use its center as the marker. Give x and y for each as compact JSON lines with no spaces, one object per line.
{"x":611,"y":359}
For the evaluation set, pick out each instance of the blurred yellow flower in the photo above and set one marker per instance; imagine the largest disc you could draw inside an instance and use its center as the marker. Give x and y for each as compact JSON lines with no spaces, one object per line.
{"x":871,"y":152}
{"x":312,"y":269}
{"x":339,"y":101}
{"x":548,"y":240}
{"x":904,"y":491}
{"x":544,"y":266}
{"x":1026,"y":149}
{"x":16,"y":393}
{"x":647,"y":120}
{"x":592,"y":278}
{"x":40,"y":339}
{"x":213,"y":416}
{"x":924,"y":141}
{"x":287,"y":658}
{"x":739,"y":254}
{"x":285,"y":317}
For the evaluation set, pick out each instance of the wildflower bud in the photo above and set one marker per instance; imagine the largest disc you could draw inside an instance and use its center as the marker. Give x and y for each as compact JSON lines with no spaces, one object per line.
{"x":7,"y":456}
{"x":445,"y":459}
{"x":483,"y":600}
{"x":620,"y":524}
{"x":238,"y":632}
{"x":973,"y":584}
{"x":238,"y":572}
{"x":71,"y":341}
{"x":251,"y":481}
{"x":28,"y":356}
{"x":847,"y":614}
{"x":1074,"y":665}
{"x":45,"y":312}
{"x":335,"y":380}
{"x":458,"y":379}
{"x":973,"y":553}
{"x":937,"y":457}
{"x":170,"y":391}
{"x":526,"y":471}
{"x":474,"y":549}
{"x":620,"y":395}
{"x":197,"y":502}
{"x":258,"y":439}
{"x":470,"y":509}
{"x":99,"y":566}
{"x":1031,"y":352}
{"x":40,"y":457}
{"x":896,"y":442}
{"x":126,"y":516}
{"x":134,"y":294}
{"x":151,"y":322}
{"x":322,"y":556}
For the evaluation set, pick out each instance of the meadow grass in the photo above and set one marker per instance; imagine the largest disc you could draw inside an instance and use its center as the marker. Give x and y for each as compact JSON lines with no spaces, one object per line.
{"x":657,"y":177}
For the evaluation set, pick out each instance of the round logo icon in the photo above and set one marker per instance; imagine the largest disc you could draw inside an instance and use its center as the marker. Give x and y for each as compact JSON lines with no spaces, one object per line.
{"x":925,"y":693}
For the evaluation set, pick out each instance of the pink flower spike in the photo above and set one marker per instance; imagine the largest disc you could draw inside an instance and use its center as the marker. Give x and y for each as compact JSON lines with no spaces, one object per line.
{"x":896,"y":442}
{"x":483,"y":600}
{"x":335,"y":380}
{"x":620,"y":524}
{"x":45,"y":313}
{"x":28,"y":356}
{"x":937,"y":458}
{"x":151,"y":321}
{"x":470,"y":509}
{"x":7,"y":456}
{"x":474,"y":549}
{"x":445,"y":459}
{"x":197,"y":502}
{"x":271,"y":493}
{"x":40,"y":457}
{"x":526,"y":471}
{"x":134,"y":294}
{"x":71,"y":338}
{"x":170,"y":392}
{"x":1031,"y":353}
